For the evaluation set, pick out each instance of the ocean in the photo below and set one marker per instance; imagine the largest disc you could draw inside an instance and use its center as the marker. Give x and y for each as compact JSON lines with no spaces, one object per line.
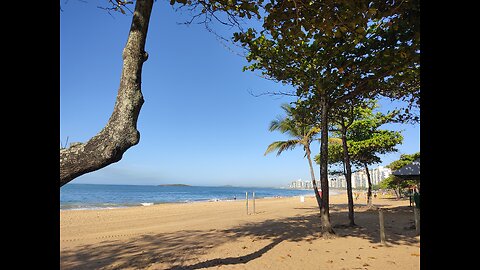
{"x":93,"y":196}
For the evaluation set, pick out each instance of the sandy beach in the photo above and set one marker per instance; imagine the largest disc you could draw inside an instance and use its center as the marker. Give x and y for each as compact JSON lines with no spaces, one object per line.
{"x":282,"y":234}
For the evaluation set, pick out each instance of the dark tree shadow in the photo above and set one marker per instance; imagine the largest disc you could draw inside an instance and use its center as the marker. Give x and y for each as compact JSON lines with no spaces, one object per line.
{"x":230,"y":260}
{"x":179,"y":250}
{"x":140,"y":252}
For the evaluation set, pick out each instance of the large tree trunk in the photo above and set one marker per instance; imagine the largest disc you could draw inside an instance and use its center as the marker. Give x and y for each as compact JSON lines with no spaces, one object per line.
{"x":348,"y":177}
{"x":325,"y":208}
{"x":120,"y":133}
{"x":314,"y":183}
{"x":369,"y":192}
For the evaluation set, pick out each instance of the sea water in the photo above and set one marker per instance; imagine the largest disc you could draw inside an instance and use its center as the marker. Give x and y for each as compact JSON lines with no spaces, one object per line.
{"x":96,"y":196}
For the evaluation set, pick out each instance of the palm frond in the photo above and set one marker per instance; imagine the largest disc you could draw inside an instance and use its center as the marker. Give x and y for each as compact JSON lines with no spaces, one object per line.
{"x":274,"y":125}
{"x":281,"y":146}
{"x":287,"y":108}
{"x":312,"y":132}
{"x":284,"y":125}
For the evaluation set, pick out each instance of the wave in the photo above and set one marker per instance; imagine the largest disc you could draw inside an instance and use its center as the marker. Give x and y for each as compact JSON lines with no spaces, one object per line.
{"x":91,"y":207}
{"x":146,"y":203}
{"x":94,"y":206}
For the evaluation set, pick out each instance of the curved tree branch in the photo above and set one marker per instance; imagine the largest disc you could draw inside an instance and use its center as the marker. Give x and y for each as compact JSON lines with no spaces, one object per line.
{"x":121,"y":132}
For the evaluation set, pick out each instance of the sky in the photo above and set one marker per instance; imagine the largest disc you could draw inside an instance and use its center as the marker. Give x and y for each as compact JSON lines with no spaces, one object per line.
{"x":200,"y":124}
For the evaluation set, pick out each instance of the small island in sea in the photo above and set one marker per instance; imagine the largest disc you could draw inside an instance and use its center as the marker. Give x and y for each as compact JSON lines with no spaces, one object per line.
{"x":174,"y":185}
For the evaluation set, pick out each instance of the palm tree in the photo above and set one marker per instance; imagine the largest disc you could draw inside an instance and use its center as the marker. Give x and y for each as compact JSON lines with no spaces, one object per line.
{"x":301,"y":133}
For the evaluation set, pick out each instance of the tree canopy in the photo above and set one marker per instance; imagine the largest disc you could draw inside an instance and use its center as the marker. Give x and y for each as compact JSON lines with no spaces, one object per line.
{"x":404,"y":159}
{"x":364,"y":138}
{"x":340,"y":48}
{"x":334,"y":51}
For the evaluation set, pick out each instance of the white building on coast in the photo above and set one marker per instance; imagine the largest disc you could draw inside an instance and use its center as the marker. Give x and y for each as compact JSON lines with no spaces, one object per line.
{"x":300,"y":184}
{"x":359,"y":178}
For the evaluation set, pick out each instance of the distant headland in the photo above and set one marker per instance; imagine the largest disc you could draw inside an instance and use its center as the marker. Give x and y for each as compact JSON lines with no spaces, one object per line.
{"x":173,"y":185}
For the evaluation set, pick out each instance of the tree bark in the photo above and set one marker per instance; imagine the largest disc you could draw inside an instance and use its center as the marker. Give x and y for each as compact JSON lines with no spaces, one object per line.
{"x":120,"y":133}
{"x":397,"y":193}
{"x":348,"y":176}
{"x":369,"y":192}
{"x":314,"y":183}
{"x":325,"y":208}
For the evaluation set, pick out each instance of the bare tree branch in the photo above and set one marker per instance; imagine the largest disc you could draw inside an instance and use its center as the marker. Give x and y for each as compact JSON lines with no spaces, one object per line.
{"x":117,"y":5}
{"x":275,"y":93}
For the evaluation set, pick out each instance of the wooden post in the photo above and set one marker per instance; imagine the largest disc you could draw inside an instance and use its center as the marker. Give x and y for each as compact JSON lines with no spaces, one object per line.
{"x":382,"y":226}
{"x":253,"y":202}
{"x":416,"y":213}
{"x":246,"y":199}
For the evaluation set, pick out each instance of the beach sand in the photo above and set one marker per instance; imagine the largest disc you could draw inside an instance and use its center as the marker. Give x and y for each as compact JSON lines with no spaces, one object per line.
{"x":282,"y":234}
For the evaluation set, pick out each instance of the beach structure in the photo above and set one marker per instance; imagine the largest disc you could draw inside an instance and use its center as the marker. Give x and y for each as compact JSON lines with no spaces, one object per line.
{"x":410,"y":171}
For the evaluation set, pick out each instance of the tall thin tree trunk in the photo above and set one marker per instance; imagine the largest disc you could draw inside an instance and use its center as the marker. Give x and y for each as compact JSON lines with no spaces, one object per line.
{"x":348,"y":176}
{"x":120,"y":133}
{"x":369,"y":192}
{"x":325,"y":208}
{"x":314,"y":183}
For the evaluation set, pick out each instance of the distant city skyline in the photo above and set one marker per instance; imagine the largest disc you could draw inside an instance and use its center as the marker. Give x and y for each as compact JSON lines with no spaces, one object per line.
{"x":359,"y":179}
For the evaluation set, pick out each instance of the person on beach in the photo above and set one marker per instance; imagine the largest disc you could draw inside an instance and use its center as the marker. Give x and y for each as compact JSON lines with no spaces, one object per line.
{"x":416,"y":198}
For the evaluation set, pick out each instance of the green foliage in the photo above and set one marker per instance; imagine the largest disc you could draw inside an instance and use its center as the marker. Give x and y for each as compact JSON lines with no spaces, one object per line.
{"x":404,"y":160}
{"x":393,"y":182}
{"x":281,"y":146}
{"x":365,"y":141}
{"x":336,"y":51}
{"x":339,"y":49}
{"x":385,"y":183}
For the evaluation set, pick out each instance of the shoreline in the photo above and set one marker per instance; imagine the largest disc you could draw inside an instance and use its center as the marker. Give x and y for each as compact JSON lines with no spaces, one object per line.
{"x":80,"y":206}
{"x":145,"y":204}
{"x":140,"y":205}
{"x":109,"y":206}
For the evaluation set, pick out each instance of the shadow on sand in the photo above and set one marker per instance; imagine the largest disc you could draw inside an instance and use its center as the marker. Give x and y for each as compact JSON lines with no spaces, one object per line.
{"x":176,"y":250}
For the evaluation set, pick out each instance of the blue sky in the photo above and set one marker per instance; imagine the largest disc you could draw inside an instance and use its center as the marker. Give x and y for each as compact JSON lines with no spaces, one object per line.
{"x":199,"y":124}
